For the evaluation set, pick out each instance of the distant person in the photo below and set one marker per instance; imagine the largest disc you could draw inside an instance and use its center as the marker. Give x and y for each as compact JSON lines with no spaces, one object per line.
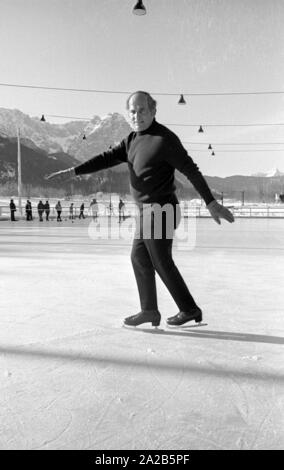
{"x":153,"y":153}
{"x":110,"y":208}
{"x":29,"y":211}
{"x":13,"y":209}
{"x":71,"y":211}
{"x":94,"y":209}
{"x":121,"y":216}
{"x":82,"y":208}
{"x":58,"y":209}
{"x":47,"y":210}
{"x":40,"y":209}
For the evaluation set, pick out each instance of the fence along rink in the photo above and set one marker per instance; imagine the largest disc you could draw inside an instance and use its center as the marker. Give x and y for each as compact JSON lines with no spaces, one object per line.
{"x":187,"y":210}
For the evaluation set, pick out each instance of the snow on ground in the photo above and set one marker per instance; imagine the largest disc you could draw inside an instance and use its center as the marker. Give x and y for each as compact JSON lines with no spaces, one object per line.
{"x":72,"y":378}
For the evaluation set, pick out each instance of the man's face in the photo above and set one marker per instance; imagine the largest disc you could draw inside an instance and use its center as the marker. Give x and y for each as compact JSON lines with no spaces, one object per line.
{"x":141,"y":117}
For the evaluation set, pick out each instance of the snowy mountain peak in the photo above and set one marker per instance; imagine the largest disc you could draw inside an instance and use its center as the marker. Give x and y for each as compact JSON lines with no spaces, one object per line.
{"x":100,"y":133}
{"x":274,"y":172}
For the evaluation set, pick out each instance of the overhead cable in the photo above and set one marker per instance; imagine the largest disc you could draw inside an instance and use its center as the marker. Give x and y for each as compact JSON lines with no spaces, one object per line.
{"x":125,"y":92}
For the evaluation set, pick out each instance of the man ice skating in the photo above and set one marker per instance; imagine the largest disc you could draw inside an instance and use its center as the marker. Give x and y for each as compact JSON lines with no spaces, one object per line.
{"x":152,"y":153}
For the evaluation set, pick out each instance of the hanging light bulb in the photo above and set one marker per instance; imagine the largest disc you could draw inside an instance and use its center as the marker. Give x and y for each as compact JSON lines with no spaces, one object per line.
{"x":210,"y":147}
{"x":213,"y":153}
{"x":42,"y":118}
{"x":181,"y":100}
{"x":84,"y":137}
{"x":200,"y":129}
{"x":139,"y":8}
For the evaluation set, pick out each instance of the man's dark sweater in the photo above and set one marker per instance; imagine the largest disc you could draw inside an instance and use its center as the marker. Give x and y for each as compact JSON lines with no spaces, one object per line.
{"x":152,"y":157}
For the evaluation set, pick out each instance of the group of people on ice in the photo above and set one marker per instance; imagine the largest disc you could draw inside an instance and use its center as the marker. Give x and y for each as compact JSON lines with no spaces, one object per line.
{"x":44,"y":209}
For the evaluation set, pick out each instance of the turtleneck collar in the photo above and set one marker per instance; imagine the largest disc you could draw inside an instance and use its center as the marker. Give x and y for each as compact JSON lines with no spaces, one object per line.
{"x":149,"y":129}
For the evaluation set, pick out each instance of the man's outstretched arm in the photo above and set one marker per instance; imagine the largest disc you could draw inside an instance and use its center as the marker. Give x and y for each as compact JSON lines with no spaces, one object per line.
{"x":108,"y":159}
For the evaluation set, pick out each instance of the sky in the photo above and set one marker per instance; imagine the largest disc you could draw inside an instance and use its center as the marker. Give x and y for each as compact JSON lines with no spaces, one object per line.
{"x":194,"y":47}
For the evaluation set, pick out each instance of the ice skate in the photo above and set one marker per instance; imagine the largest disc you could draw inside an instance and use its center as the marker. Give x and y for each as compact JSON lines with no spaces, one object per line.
{"x":147,"y":316}
{"x":183,"y":317}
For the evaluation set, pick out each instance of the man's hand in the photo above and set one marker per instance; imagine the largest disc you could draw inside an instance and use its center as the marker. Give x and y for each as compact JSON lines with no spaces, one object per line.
{"x":220,"y":212}
{"x":61,"y":174}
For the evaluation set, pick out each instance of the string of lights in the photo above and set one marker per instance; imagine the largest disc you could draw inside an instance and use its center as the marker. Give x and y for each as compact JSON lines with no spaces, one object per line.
{"x":229,"y":125}
{"x":182,"y":124}
{"x":127,"y":92}
{"x":194,"y":143}
{"x":230,"y":150}
{"x":210,"y":145}
{"x":198,"y":143}
{"x":181,"y":101}
{"x":68,"y":117}
{"x":241,"y":151}
{"x":87,"y":119}
{"x":235,"y":143}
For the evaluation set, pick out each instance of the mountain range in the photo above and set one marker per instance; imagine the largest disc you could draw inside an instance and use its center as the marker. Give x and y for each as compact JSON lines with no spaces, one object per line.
{"x":99,"y":133}
{"x":49,"y":147}
{"x":273,"y":173}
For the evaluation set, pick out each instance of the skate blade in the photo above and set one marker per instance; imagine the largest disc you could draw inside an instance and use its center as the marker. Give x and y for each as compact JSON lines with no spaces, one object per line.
{"x":140,"y":328}
{"x":194,"y":325}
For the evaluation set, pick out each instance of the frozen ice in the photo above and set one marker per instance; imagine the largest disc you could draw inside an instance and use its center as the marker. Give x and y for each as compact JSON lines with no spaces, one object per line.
{"x":72,"y":378}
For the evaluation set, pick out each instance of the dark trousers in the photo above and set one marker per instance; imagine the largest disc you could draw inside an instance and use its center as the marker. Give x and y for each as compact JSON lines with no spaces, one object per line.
{"x":152,"y":253}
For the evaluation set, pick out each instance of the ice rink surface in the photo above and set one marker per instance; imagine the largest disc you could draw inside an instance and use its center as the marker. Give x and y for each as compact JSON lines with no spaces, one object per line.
{"x":72,"y":377}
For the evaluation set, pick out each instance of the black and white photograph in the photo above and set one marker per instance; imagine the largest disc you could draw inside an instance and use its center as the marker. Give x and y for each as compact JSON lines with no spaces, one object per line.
{"x":141,"y":228}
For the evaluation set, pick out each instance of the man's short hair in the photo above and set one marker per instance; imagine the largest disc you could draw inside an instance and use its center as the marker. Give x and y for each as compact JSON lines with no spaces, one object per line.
{"x":151,"y":102}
